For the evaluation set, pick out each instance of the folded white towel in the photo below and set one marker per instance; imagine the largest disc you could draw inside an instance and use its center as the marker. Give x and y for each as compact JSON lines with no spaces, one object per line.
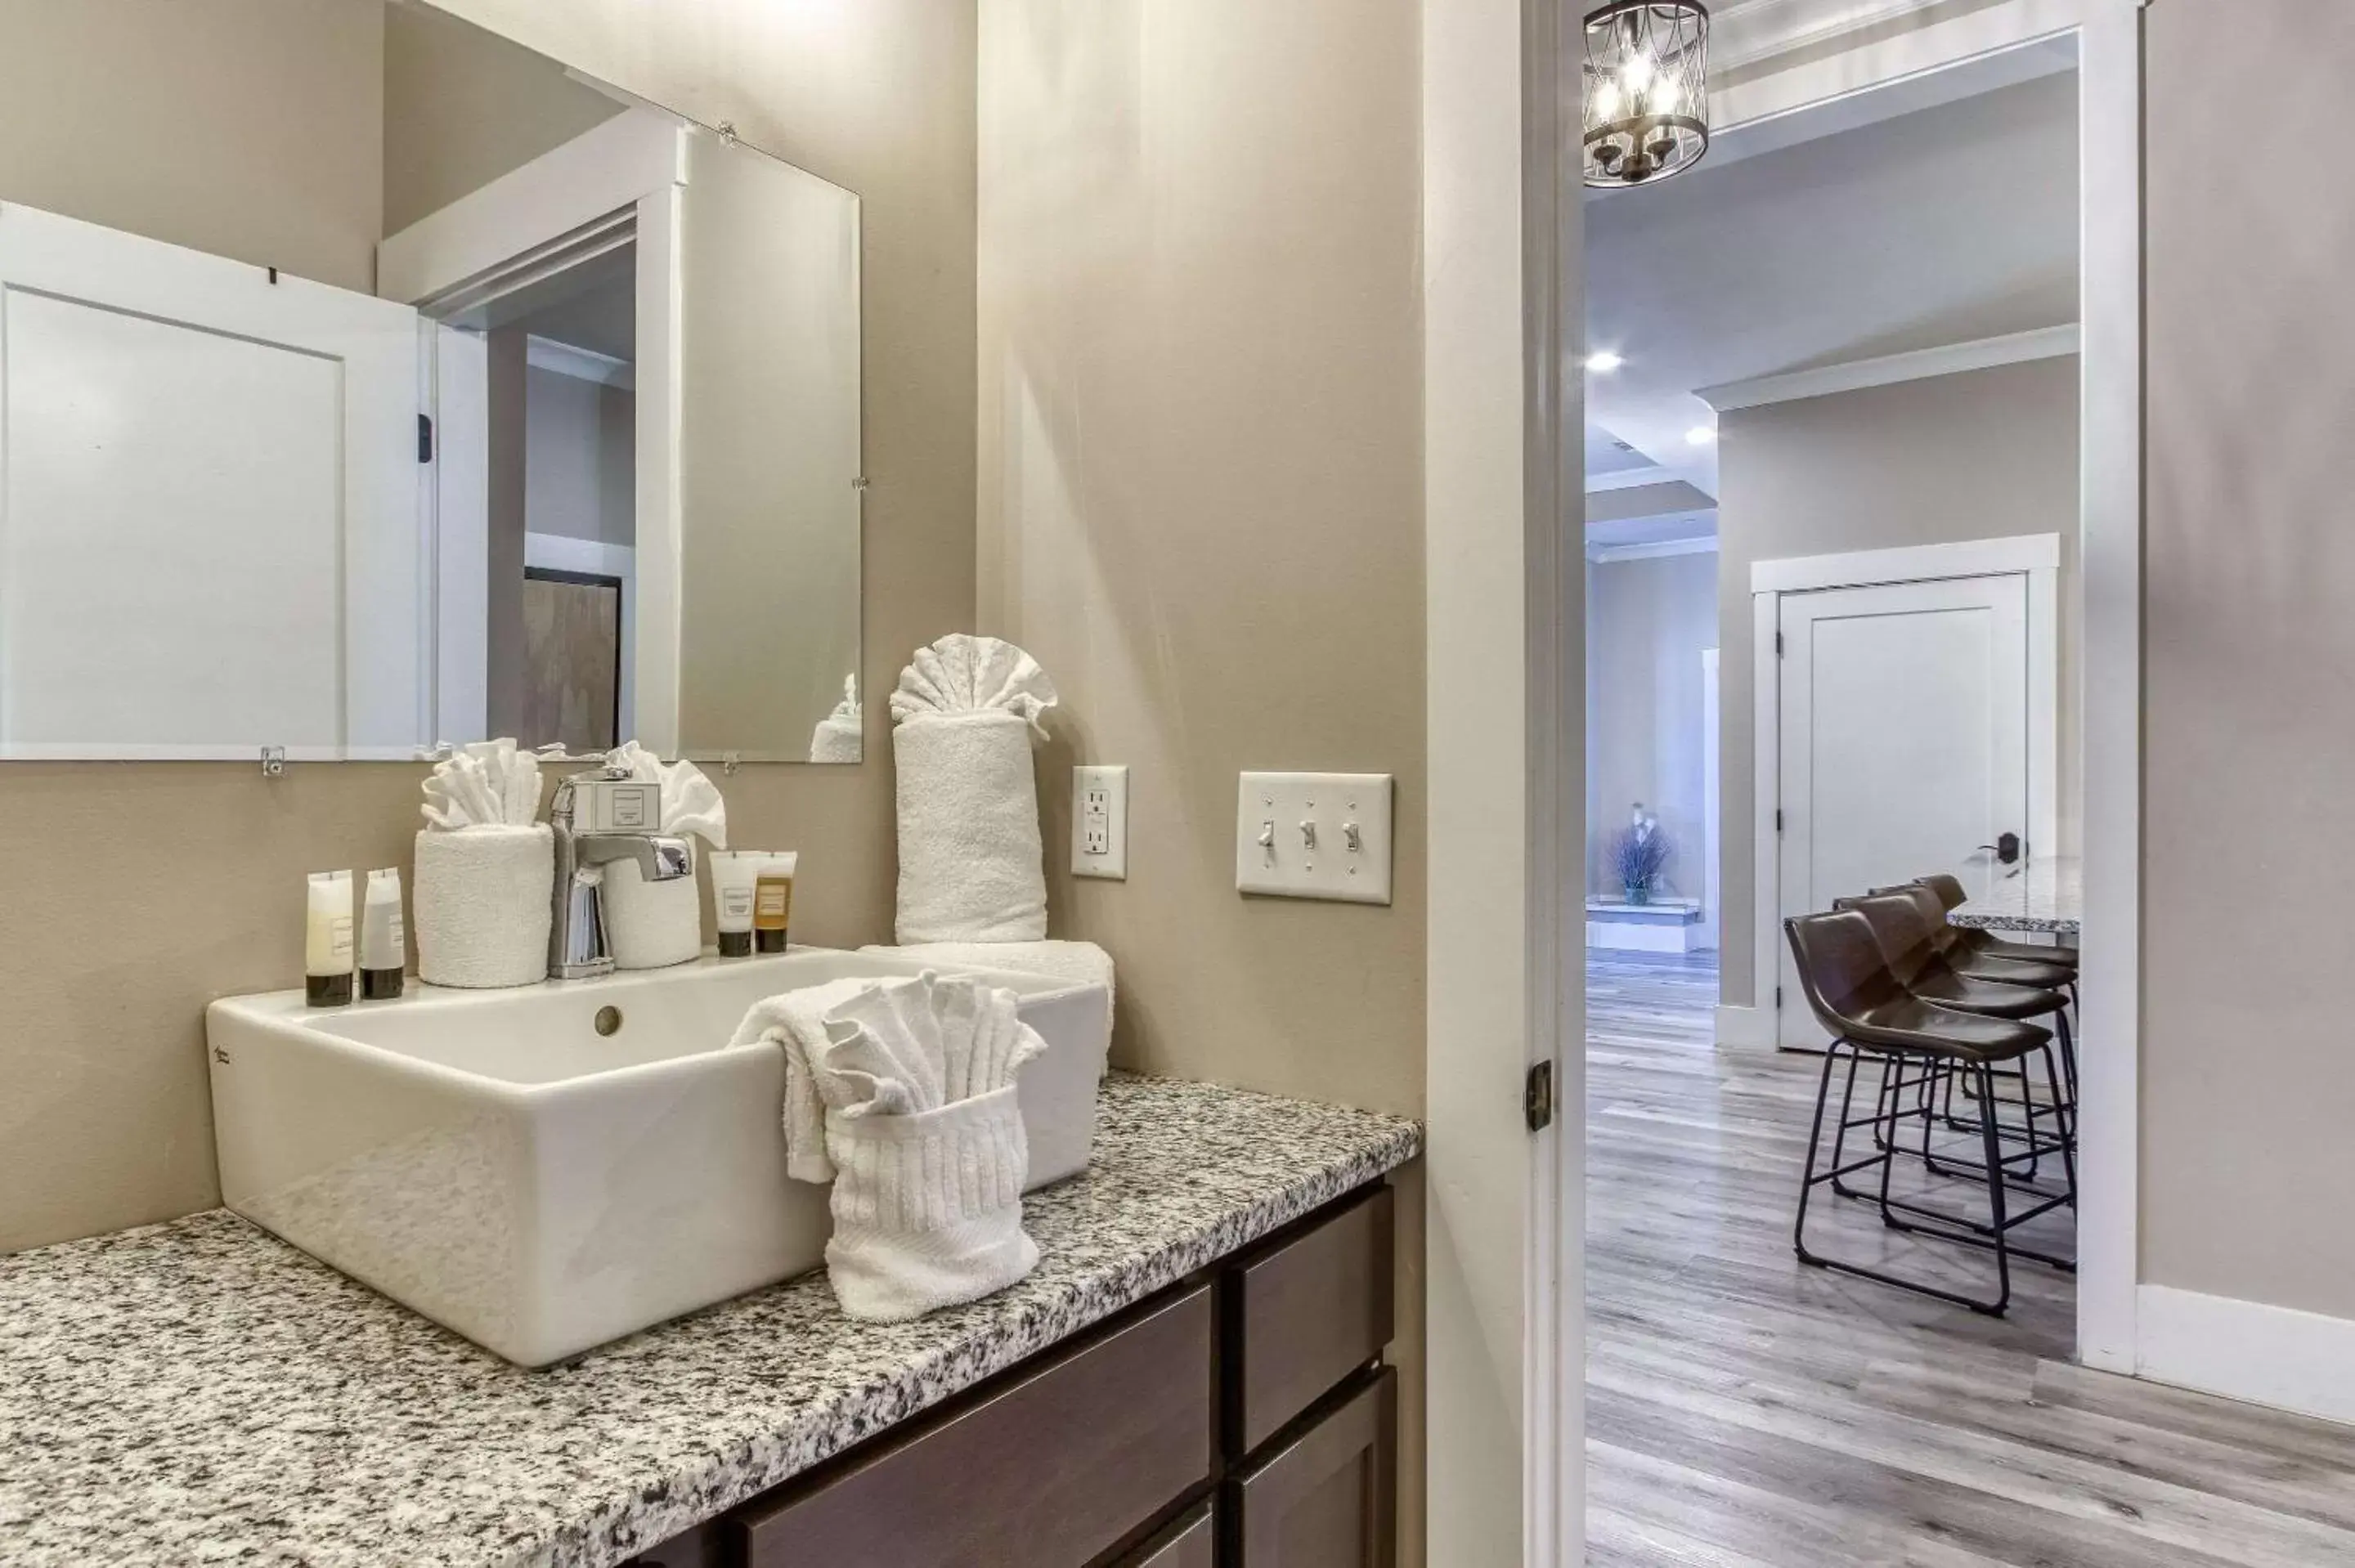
{"x":653,"y":924}
{"x":970,"y":864}
{"x":1082,"y":963}
{"x":484,"y":897}
{"x":928,"y":1207}
{"x":924,"y":1131}
{"x":796,"y":1022}
{"x":485,"y":783}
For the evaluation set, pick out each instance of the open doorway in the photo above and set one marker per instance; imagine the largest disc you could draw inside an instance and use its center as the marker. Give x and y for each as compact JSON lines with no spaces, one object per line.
{"x":1837,"y":386}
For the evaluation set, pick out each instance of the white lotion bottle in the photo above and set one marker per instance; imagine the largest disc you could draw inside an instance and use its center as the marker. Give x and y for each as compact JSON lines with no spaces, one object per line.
{"x":328,"y":940}
{"x":384,"y":937}
{"x":734,"y":875}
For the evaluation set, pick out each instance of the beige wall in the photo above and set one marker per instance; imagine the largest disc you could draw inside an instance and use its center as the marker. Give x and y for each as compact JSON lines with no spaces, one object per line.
{"x":463,"y":106}
{"x":1648,"y":620}
{"x":2248,"y":1080}
{"x":1200,"y":495}
{"x":180,"y":122}
{"x":132,"y":893}
{"x":1976,"y":456}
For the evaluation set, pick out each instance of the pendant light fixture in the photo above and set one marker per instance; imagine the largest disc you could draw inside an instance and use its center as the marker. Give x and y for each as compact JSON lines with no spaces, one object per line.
{"x":1646,"y":90}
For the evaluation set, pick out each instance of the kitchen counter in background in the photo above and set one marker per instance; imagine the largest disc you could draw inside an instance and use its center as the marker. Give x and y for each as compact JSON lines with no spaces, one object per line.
{"x":2048,"y":895}
{"x":201,"y":1391}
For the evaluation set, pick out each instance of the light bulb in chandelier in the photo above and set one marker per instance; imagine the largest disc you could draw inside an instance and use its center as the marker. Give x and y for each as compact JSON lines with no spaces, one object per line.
{"x":1647,"y":97}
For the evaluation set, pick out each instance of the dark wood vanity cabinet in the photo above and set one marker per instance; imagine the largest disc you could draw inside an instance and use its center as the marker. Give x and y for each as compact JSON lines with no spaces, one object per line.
{"x":1240,"y":1419}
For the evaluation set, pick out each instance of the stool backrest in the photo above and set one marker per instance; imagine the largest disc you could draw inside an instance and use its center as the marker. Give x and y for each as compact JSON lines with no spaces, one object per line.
{"x":1932,"y":909}
{"x":1949,"y":890}
{"x":1841,"y":969}
{"x":1908,"y":938}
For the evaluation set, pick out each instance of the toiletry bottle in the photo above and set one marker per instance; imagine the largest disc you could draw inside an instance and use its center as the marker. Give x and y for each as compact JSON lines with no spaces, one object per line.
{"x":328,"y":940}
{"x":734,"y":875}
{"x":772,"y":902}
{"x":384,"y":939}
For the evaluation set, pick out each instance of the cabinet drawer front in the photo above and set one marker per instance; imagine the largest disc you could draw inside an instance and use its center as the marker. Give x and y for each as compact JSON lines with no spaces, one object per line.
{"x":1191,"y":1543}
{"x":1326,"y":1497}
{"x":1305,"y":1315}
{"x":1051,"y":1470}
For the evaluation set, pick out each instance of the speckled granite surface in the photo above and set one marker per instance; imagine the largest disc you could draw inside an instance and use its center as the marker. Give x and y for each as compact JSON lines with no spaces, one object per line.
{"x":201,"y":1392}
{"x":2046,"y":895}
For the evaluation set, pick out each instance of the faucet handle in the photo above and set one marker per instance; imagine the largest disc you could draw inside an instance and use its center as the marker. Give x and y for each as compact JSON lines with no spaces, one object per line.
{"x":610,"y":801}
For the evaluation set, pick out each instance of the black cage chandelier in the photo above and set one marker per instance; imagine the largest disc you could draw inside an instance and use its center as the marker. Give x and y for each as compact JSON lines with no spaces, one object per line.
{"x":1647,"y":107}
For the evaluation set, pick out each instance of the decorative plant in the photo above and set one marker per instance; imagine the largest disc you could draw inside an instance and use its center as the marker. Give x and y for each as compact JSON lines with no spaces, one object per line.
{"x":1639,"y":855}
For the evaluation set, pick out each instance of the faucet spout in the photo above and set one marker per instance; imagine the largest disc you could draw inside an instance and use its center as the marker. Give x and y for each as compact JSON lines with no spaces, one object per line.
{"x":658,"y":859}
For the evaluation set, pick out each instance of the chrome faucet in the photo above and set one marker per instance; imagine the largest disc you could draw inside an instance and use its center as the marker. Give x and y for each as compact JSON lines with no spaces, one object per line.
{"x":602,"y":817}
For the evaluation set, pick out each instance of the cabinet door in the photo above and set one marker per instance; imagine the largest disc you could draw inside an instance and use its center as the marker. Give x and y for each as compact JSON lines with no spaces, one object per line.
{"x":1326,"y":1497}
{"x":1191,"y":1543}
{"x":1304,"y":1314}
{"x":1051,"y":1470}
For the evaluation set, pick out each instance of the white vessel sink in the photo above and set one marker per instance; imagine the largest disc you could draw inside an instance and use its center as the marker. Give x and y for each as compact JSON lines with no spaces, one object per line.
{"x":495,"y":1161}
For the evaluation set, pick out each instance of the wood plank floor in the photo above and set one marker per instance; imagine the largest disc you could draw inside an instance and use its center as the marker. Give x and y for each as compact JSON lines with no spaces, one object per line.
{"x":1742,"y":1411}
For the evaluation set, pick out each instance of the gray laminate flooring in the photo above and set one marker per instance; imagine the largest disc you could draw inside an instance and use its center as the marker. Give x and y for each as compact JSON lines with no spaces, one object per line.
{"x":1743,"y":1412}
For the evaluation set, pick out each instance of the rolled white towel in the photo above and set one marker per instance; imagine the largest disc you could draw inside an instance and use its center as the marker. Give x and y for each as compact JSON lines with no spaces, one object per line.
{"x":653,"y":924}
{"x":1082,"y":963}
{"x":971,"y":863}
{"x":838,"y":739}
{"x":484,"y":897}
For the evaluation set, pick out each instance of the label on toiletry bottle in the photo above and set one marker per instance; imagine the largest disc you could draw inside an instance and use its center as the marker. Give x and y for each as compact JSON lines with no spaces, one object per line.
{"x":774,"y":904}
{"x":735,"y":902}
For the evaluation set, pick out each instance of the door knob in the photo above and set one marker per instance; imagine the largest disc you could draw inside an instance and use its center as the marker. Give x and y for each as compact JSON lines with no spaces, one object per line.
{"x":2006,"y":848}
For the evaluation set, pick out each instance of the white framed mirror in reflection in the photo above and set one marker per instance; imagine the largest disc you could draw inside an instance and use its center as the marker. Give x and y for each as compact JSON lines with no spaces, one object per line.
{"x":387,"y":384}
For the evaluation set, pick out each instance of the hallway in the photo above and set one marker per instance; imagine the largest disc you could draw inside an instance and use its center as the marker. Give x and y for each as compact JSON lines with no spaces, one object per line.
{"x":1745,"y":1413}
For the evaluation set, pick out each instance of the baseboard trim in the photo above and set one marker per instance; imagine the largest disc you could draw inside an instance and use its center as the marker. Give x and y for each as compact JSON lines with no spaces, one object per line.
{"x":1745,"y":1026}
{"x":2276,"y":1356}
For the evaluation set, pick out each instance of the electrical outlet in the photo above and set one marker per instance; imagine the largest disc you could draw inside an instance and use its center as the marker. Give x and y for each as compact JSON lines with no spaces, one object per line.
{"x":1099,"y":823}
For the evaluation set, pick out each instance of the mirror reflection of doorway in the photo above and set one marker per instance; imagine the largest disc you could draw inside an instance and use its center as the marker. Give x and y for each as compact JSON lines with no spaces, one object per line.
{"x":572,"y":658}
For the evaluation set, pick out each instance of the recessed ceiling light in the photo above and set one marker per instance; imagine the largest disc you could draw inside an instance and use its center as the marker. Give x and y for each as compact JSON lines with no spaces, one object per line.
{"x":1602,"y":361}
{"x":1701,"y":435}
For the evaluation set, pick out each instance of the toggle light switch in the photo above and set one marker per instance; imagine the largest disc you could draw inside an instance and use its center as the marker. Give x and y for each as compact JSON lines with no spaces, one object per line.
{"x":1350,"y":810}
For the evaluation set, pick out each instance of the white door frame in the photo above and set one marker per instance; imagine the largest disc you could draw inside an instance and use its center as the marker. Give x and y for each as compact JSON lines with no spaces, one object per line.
{"x":1491,"y":573}
{"x":2036,"y":556}
{"x":617,"y":182}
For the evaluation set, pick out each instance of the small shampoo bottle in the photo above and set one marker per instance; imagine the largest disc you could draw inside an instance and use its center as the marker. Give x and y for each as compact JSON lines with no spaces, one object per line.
{"x":328,"y":940}
{"x":772,"y":903}
{"x":384,"y":937}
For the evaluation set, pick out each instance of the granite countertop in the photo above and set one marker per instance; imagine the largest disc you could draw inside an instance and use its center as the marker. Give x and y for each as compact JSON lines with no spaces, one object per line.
{"x":2046,"y":895}
{"x":199,"y":1392}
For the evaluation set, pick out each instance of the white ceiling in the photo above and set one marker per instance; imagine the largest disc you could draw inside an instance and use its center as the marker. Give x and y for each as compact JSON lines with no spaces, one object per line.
{"x":1829,"y":236}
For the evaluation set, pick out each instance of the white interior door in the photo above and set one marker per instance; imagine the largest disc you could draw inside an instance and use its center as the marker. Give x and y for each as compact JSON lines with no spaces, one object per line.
{"x":210,"y":536}
{"x":1904,"y":740}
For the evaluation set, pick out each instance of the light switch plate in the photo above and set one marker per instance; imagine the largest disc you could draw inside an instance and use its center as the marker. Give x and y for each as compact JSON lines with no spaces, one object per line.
{"x":1099,"y":823}
{"x":1315,"y":836}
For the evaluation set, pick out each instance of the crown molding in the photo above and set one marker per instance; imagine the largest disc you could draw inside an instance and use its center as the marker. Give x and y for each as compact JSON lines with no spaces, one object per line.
{"x":1764,"y":28}
{"x":1982,"y":353}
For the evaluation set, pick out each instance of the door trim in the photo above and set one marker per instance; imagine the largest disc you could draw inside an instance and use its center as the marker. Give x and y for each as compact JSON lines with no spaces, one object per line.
{"x":2036,"y":556}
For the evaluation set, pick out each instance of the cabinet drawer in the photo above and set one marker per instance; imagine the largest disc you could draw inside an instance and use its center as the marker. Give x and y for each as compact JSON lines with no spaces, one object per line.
{"x":1192,"y":1543}
{"x":1326,"y":1497}
{"x":1305,"y":1315}
{"x":1051,"y":1470}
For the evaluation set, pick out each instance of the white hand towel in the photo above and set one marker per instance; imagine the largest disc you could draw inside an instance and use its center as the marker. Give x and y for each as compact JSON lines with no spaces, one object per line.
{"x":970,"y":856}
{"x":484,"y":901}
{"x":796,"y":1022}
{"x":927,"y":1202}
{"x":653,"y":924}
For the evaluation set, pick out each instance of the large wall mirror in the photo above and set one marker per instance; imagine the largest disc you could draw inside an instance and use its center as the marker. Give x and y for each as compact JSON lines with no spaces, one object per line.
{"x":368,"y":381}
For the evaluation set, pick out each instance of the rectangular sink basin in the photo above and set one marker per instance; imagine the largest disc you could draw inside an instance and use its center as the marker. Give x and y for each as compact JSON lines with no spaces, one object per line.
{"x":546,"y":1168}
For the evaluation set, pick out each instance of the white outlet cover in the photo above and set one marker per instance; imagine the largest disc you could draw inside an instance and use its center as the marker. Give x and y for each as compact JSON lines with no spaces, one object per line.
{"x":1307,"y":819}
{"x":1099,"y":823}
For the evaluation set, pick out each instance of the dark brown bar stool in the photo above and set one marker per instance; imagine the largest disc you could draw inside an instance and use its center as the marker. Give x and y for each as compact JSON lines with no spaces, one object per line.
{"x":1858,"y":1000}
{"x":1953,"y":944}
{"x":1904,"y":932}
